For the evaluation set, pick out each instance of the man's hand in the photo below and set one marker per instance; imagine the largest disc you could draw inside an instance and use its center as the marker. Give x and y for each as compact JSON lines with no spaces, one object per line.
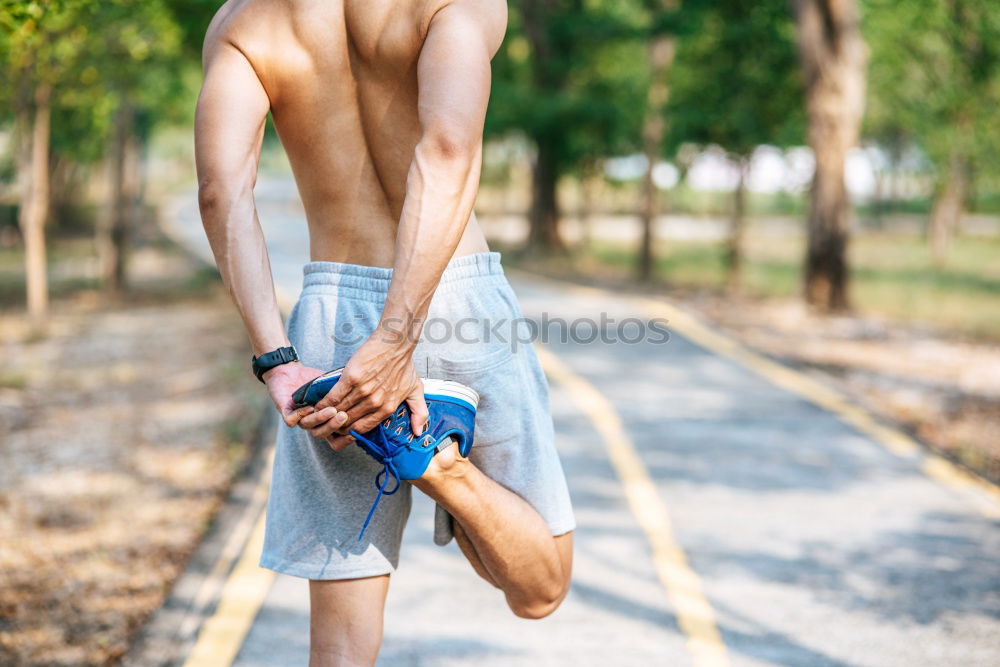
{"x":282,"y":381}
{"x":377,"y":379}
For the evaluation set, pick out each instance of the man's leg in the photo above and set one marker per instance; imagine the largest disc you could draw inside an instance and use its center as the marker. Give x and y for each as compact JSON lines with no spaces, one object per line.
{"x":345,"y":621}
{"x":505,"y":539}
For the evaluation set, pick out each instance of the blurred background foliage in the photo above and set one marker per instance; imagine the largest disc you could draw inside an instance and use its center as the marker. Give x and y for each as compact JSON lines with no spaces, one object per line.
{"x":608,"y":108}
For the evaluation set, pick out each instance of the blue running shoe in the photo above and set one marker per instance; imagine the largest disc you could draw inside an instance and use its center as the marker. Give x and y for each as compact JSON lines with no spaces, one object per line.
{"x":403,"y":456}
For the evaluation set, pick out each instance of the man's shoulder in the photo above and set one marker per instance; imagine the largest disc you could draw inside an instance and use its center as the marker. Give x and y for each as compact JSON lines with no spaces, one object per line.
{"x":238,"y":20}
{"x":488,"y":16}
{"x":222,"y":21}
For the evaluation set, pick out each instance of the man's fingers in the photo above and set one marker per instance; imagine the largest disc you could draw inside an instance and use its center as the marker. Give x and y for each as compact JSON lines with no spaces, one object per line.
{"x":321,"y":417}
{"x":325,"y":430}
{"x":361,"y":419}
{"x":317,"y":418}
{"x":418,"y":410}
{"x":293,"y":417}
{"x":346,"y":402}
{"x":372,"y":409}
{"x":369,"y":421}
{"x":343,"y":394}
{"x":367,"y":414}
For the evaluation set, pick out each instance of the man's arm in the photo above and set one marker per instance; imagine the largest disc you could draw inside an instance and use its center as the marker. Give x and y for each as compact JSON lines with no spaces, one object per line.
{"x":453,"y":74}
{"x":229,"y":128}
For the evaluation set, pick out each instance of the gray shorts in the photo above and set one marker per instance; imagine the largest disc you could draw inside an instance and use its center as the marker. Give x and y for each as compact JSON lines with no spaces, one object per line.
{"x":319,"y":498}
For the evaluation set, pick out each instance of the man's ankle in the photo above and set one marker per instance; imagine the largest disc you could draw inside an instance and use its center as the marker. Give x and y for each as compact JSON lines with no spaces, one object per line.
{"x":446,"y":467}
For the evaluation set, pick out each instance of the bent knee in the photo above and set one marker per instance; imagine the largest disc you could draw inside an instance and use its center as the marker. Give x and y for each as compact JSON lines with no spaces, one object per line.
{"x":536,"y":609}
{"x":540,"y":606}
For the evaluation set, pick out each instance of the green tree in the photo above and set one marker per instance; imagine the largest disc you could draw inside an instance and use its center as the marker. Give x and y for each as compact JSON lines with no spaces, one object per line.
{"x":38,"y":41}
{"x":136,"y":50}
{"x":192,"y":18}
{"x":726,"y":97}
{"x":662,"y":45}
{"x":89,"y":80}
{"x":935,"y":74}
{"x":570,"y":76}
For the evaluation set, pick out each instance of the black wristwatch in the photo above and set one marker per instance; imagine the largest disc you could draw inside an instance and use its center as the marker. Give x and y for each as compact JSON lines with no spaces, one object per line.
{"x":272,"y":359}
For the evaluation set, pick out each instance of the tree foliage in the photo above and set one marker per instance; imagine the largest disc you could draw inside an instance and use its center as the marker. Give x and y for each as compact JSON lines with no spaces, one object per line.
{"x":935,"y":75}
{"x":84,"y":80}
{"x":737,"y":83}
{"x":98,"y":55}
{"x":571,"y":78}
{"x":572,"y":74}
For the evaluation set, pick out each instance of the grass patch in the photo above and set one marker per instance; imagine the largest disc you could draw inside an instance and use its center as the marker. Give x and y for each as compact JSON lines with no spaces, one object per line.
{"x":893,"y":276}
{"x":67,"y":259}
{"x":72,"y":270}
{"x":13,"y":380}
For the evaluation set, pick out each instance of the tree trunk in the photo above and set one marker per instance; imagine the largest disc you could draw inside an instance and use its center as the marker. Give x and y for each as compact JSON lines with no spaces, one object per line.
{"x":588,"y":183}
{"x":64,"y":184}
{"x":34,"y":169}
{"x":118,"y":220}
{"x":131,"y":202}
{"x":662,"y":47}
{"x":833,"y":62}
{"x":737,"y":231}
{"x":878,"y":202}
{"x":543,"y":217}
{"x":949,"y":205}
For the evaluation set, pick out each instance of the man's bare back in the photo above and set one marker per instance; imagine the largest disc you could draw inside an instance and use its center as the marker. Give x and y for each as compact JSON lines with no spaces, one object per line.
{"x":380,"y":106}
{"x":341,"y":78}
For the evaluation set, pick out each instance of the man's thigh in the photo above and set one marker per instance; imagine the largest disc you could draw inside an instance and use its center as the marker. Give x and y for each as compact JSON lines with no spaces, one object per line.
{"x":564,"y":546}
{"x":514,"y":438}
{"x":346,"y":621}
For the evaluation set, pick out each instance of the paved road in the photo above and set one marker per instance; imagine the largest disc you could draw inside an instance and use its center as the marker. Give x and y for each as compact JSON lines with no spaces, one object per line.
{"x":811,"y":543}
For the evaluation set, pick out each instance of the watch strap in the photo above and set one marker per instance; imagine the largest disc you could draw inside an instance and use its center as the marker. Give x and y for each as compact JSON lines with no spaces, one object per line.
{"x":272,"y":359}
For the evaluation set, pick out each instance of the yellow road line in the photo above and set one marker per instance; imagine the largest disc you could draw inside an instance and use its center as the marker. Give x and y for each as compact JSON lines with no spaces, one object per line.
{"x":245,"y":588}
{"x":938,"y":468}
{"x":223,"y":634}
{"x":934,"y":466}
{"x":694,"y":613}
{"x":233,"y":548}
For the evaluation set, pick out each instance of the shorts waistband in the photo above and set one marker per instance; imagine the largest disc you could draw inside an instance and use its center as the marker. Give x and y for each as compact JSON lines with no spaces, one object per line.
{"x":334,"y":277}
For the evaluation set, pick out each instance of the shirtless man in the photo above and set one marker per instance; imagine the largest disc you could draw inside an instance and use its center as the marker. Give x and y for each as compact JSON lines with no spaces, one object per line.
{"x":379,"y":105}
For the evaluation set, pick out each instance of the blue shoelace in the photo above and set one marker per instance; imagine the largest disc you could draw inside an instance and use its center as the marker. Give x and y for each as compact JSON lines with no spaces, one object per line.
{"x":383,"y":450}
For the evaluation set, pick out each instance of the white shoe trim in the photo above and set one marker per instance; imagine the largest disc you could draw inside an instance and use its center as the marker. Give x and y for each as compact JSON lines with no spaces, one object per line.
{"x":452,"y":389}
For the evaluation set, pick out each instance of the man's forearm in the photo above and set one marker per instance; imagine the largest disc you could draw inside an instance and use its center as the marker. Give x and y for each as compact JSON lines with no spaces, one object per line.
{"x":238,"y":244}
{"x":440,"y":192}
{"x":453,"y":80}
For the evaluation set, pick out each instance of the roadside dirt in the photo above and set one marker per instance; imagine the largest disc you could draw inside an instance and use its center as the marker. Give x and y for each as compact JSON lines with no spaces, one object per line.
{"x":120,"y":432}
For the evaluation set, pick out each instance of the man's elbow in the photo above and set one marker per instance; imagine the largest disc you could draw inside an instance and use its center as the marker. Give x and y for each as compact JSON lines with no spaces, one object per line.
{"x":214,"y":196}
{"x":451,"y":146}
